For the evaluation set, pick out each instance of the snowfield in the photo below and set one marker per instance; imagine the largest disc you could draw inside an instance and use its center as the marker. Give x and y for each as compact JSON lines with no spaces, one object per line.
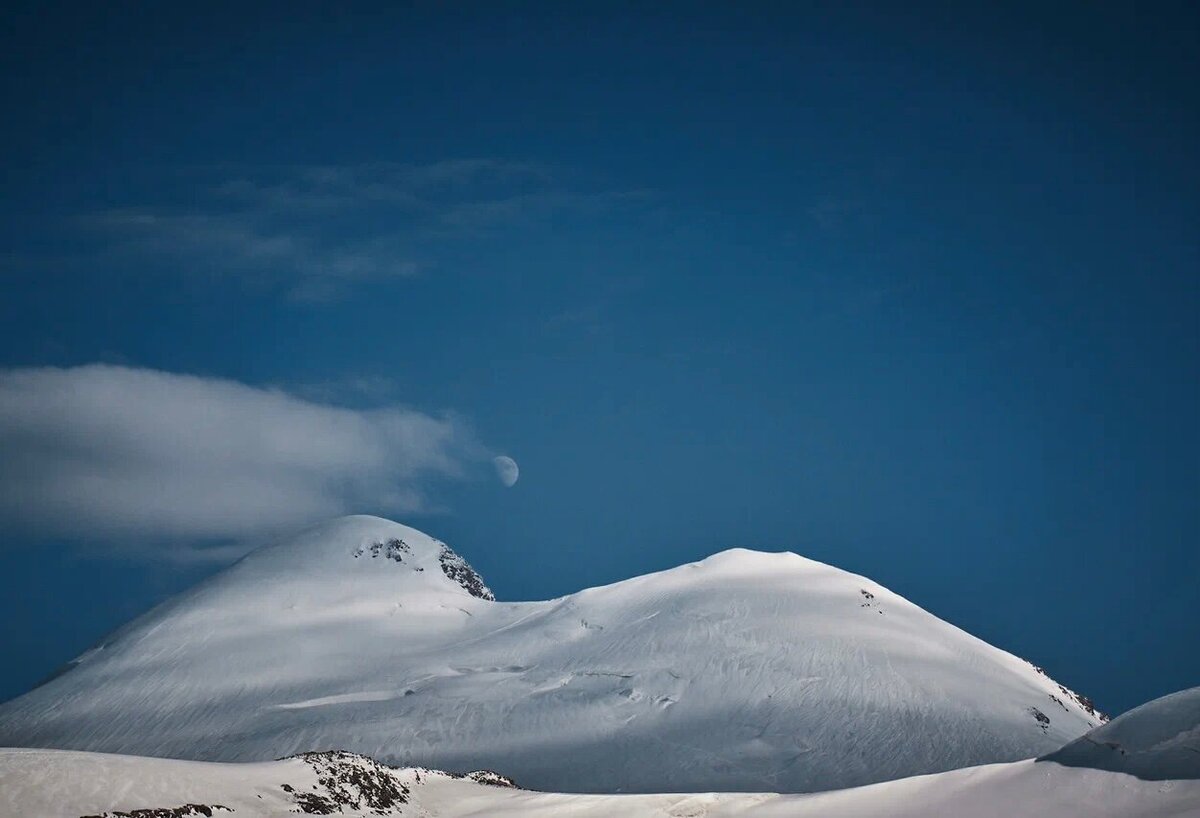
{"x":746,"y":671}
{"x":64,"y":784}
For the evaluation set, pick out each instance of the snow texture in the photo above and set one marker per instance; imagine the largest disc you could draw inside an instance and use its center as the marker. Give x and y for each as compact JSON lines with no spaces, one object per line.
{"x":1159,"y":740}
{"x":66,"y":784}
{"x":746,"y":671}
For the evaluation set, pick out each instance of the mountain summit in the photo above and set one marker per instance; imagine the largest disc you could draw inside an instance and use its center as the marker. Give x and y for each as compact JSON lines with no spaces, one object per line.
{"x":366,"y":552}
{"x":744,"y":671}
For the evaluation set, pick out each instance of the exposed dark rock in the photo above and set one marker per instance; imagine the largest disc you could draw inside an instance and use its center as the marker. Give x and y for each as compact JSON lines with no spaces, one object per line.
{"x":868,"y":600}
{"x":349,"y":781}
{"x":185,"y":811}
{"x":1084,"y":702}
{"x":453,"y":566}
{"x":492,"y":779}
{"x":390,"y":549}
{"x":457,"y":569}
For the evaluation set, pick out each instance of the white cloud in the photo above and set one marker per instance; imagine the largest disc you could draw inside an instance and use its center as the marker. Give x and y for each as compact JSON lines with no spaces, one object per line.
{"x":119,"y":454}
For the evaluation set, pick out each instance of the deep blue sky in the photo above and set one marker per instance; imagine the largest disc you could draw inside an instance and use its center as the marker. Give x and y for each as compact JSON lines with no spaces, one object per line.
{"x":914,"y":292}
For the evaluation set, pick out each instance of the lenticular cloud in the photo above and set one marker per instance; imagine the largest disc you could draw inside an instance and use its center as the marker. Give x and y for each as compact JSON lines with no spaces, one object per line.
{"x":106,"y":452}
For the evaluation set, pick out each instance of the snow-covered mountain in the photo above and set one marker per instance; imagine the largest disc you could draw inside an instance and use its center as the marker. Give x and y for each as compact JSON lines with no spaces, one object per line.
{"x":746,"y":671}
{"x":1162,"y":780}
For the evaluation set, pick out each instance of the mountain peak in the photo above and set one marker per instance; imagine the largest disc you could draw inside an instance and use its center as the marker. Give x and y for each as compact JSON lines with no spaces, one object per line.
{"x":361,"y":547}
{"x":749,"y":559}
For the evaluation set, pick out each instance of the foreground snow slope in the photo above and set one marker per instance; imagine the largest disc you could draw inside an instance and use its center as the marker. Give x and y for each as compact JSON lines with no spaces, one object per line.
{"x":746,"y":671}
{"x":1158,"y":742}
{"x":67,"y":784}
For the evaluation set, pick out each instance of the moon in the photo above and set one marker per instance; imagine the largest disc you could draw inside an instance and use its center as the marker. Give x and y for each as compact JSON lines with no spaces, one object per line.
{"x":506,"y":470}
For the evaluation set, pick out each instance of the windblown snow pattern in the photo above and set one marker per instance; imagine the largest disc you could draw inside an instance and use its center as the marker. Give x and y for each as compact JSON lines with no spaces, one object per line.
{"x":66,"y":784}
{"x":746,"y":671}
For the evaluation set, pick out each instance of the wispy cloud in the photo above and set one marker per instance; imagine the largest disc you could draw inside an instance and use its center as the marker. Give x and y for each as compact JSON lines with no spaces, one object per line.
{"x":223,"y":244}
{"x":423,"y":189}
{"x":316,"y":230}
{"x":124,"y":455}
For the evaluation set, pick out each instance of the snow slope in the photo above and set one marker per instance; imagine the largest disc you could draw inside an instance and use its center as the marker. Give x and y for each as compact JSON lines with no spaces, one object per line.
{"x":67,"y":784}
{"x":1159,"y":740}
{"x":745,"y":671}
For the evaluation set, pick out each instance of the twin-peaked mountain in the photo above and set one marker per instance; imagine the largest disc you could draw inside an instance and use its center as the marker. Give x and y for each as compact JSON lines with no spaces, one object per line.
{"x":745,"y":671}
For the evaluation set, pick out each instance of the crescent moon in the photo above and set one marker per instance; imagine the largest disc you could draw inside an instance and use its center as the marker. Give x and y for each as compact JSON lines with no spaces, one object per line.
{"x":507,"y":470}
